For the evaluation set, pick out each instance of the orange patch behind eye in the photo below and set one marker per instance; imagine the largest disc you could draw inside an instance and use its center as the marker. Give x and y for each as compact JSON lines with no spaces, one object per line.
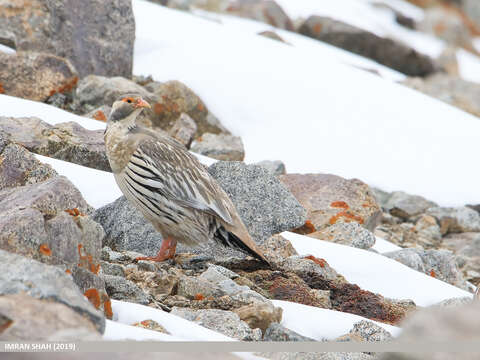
{"x":128,"y":100}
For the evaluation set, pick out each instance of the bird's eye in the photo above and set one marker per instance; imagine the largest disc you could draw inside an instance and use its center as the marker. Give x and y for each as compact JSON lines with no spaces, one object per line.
{"x":129,"y":101}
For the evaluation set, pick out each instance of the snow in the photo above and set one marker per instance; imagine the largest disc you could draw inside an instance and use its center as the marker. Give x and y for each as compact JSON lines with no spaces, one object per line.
{"x":6,"y":49}
{"x":377,"y":273}
{"x":308,"y":320}
{"x":382,"y":245}
{"x":468,"y":65}
{"x":313,"y":113}
{"x":16,"y":107}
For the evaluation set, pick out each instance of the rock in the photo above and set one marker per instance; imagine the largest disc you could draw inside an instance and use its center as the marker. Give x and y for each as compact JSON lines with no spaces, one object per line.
{"x":225,"y":322}
{"x":31,"y":319}
{"x":450,"y":89}
{"x":275,"y":167}
{"x":19,"y":167}
{"x":266,"y":11}
{"x":456,"y":220}
{"x":466,"y":246}
{"x":427,"y":226}
{"x":330,"y":199}
{"x":308,"y":265}
{"x":46,"y":221}
{"x":151,"y":325}
{"x":220,"y":147}
{"x":472,"y":9}
{"x":318,"y":356}
{"x":370,"y":331}
{"x":101,"y":113}
{"x":21,"y":275}
{"x":277,"y":332}
{"x":172,"y":98}
{"x":260,"y":315}
{"x":120,"y":288}
{"x":453,"y":302}
{"x":277,"y":248}
{"x":95,"y":35}
{"x":35,"y":76}
{"x":94,"y":91}
{"x":436,"y":263}
{"x":191,"y":288}
{"x":264,"y":204}
{"x":351,"y":234}
{"x":66,"y":141}
{"x":385,"y":51}
{"x":183,"y":130}
{"x":405,"y":206}
{"x":436,"y":324}
{"x":447,"y":60}
{"x":446,"y":24}
{"x":216,"y":274}
{"x":272,"y":35}
{"x":112,"y":269}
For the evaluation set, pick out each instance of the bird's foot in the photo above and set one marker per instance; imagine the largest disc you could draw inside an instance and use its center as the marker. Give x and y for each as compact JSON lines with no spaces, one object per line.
{"x":167,"y":251}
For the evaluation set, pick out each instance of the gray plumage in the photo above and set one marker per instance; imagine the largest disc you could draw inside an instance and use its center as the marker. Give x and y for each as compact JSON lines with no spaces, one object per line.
{"x":171,"y":188}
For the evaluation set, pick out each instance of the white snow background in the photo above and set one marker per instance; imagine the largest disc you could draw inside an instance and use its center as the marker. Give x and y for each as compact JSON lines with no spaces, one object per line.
{"x":313,"y":107}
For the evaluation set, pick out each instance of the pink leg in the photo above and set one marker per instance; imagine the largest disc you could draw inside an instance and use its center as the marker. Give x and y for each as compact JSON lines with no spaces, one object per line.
{"x":167,"y":251}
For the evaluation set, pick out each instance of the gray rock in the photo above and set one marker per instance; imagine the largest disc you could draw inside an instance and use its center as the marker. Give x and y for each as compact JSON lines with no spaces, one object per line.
{"x":266,"y":11}
{"x":440,"y":264}
{"x":184,"y":130}
{"x":318,"y":356}
{"x":35,"y":76}
{"x":190,"y":287}
{"x":19,"y":274}
{"x":466,"y":246}
{"x":278,"y":332}
{"x":472,"y":8}
{"x":272,"y":35}
{"x":113,"y":256}
{"x":220,"y":147}
{"x":100,"y":113}
{"x":351,"y":234}
{"x":301,"y":266}
{"x":275,"y":167}
{"x":370,"y":331}
{"x":453,"y":302}
{"x":95,"y":35}
{"x":216,"y":274}
{"x":277,"y":248}
{"x":264,"y":204}
{"x":450,"y":89}
{"x":456,"y":220}
{"x":120,"y":288}
{"x":112,"y":269}
{"x":386,"y":51}
{"x":20,"y":167}
{"x":442,"y":325}
{"x":405,"y":206}
{"x":260,"y":315}
{"x":46,"y":221}
{"x":66,"y":141}
{"x":225,"y":322}
{"x":31,"y":319}
{"x":94,"y":91}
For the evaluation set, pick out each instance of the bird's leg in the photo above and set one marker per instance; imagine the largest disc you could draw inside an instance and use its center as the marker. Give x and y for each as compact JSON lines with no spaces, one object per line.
{"x":167,"y":251}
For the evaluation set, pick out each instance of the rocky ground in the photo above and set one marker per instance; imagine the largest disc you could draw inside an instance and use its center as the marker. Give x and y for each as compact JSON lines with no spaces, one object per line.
{"x":62,"y":261}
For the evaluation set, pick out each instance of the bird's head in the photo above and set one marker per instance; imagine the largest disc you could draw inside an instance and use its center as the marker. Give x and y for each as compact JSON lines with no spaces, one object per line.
{"x":126,"y":109}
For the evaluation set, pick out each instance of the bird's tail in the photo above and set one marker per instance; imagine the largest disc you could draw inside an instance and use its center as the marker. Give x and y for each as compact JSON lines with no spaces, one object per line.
{"x":229,"y":239}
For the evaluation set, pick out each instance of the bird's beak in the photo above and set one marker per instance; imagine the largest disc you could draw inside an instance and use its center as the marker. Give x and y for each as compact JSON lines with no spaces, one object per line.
{"x":142,"y":104}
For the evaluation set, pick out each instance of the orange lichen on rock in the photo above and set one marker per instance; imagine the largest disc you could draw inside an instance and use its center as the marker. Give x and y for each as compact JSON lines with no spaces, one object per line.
{"x":348,"y":216}
{"x":200,"y":107}
{"x":340,"y":204}
{"x":199,"y":296}
{"x":68,"y":86}
{"x":68,"y":271}
{"x":87,"y":261}
{"x":45,"y":250}
{"x":365,"y":205}
{"x":433,"y":273}
{"x":99,"y":115}
{"x":317,"y":28}
{"x":107,"y":309}
{"x":318,"y":261}
{"x":2,"y":90}
{"x":93,"y":296}
{"x":74,"y":212}
{"x":306,"y":228}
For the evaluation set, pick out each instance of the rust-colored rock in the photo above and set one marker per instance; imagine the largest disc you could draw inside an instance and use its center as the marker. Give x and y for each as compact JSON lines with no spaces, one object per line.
{"x":331,"y":199}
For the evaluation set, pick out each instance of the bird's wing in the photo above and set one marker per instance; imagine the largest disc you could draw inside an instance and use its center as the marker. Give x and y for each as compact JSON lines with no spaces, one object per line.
{"x":169,"y":170}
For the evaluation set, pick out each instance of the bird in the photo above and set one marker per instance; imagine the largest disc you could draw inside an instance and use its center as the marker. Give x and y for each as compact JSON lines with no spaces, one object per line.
{"x":169,"y":186}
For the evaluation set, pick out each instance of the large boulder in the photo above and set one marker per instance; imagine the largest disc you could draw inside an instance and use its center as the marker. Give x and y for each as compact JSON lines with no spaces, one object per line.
{"x":66,"y":141}
{"x":385,"y":51}
{"x":330,"y":199}
{"x":21,"y":275}
{"x":456,"y":220}
{"x":35,"y":76}
{"x":97,"y":36}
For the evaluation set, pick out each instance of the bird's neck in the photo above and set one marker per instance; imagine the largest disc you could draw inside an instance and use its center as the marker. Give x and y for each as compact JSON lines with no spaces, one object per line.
{"x":120,"y":145}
